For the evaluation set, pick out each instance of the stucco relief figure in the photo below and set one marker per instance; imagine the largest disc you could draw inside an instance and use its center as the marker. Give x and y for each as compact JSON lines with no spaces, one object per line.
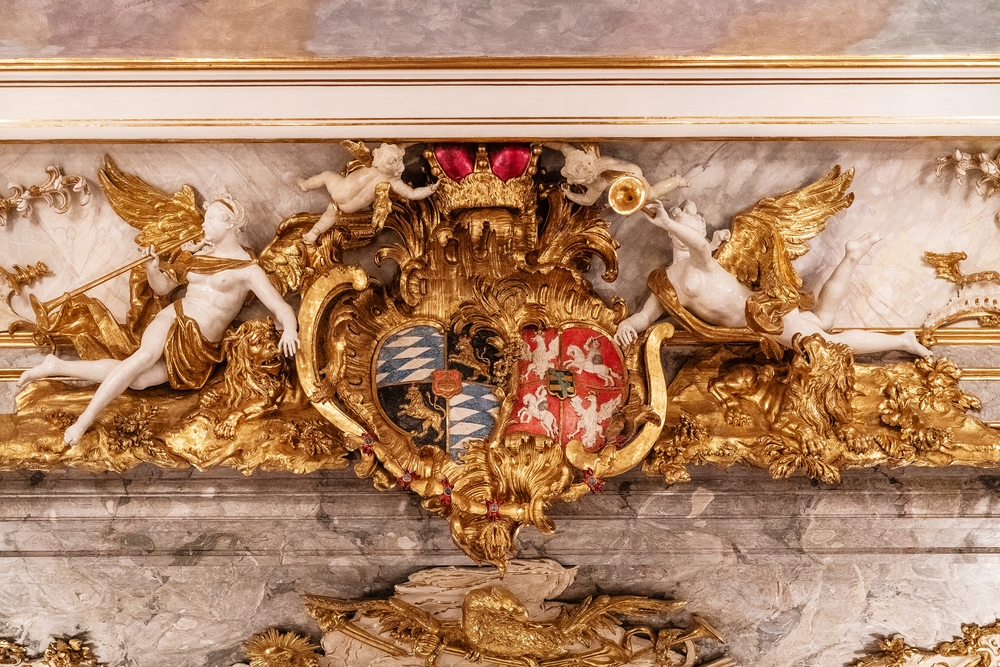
{"x":751,"y":283}
{"x":182,"y":343}
{"x":365,"y":182}
{"x":594,"y":172}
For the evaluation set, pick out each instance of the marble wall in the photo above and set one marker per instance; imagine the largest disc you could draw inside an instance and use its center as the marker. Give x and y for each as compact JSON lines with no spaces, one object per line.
{"x":175,"y":568}
{"x":401,"y":28}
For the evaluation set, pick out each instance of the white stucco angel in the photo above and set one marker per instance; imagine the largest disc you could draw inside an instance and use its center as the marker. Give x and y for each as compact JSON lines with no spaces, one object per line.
{"x":595,"y":173}
{"x":180,"y":344}
{"x":365,"y":181}
{"x":750,"y":285}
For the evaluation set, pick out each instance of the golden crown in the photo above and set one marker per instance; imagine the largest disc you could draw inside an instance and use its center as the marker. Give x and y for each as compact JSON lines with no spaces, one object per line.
{"x":495,"y":177}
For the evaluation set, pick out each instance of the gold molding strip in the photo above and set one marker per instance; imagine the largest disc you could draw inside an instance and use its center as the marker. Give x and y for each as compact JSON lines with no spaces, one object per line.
{"x":12,"y":374}
{"x":944,"y":337}
{"x":24,"y":340}
{"x":981,"y":374}
{"x":477,"y":121}
{"x":507,"y":62}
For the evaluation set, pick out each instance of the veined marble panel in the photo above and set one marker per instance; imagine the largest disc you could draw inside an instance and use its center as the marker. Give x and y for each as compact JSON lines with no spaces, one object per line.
{"x":178,"y":568}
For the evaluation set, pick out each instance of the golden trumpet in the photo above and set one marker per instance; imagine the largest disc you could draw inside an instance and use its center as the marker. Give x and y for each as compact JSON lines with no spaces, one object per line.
{"x":627,"y":194}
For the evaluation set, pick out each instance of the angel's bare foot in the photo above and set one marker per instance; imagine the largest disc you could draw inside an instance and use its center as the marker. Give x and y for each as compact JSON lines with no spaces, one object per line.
{"x":74,"y":434}
{"x":858,"y":248}
{"x":47,"y":368}
{"x":913,"y":345}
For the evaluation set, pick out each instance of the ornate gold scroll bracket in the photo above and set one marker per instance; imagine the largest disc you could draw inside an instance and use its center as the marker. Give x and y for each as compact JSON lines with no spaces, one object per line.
{"x":611,"y":461}
{"x":316,"y":299}
{"x":978,"y":646}
{"x":978,"y":296}
{"x":57,"y":192}
{"x":59,"y":653}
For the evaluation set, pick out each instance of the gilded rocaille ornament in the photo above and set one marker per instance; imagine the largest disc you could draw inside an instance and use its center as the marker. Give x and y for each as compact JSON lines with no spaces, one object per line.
{"x":463,"y":616}
{"x":16,"y":279}
{"x":276,"y":649}
{"x":69,"y":652}
{"x":979,"y":646}
{"x":978,"y":295}
{"x":57,"y":191}
{"x":483,"y":376}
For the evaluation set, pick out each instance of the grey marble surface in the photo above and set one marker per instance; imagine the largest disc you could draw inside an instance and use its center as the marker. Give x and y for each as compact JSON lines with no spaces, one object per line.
{"x":178,"y":568}
{"x":399,"y":28}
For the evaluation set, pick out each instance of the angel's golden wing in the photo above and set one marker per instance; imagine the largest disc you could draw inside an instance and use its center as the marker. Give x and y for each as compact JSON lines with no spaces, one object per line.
{"x":382,"y":205}
{"x":360,"y":155}
{"x":767,"y":237}
{"x":285,"y":260}
{"x":163,"y":220}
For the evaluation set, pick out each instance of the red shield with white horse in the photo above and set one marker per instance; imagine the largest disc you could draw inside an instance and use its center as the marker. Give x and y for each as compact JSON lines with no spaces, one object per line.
{"x":572,"y":381}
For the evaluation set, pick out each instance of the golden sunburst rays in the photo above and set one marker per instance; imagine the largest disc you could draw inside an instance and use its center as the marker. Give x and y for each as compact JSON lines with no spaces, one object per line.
{"x":276,"y":649}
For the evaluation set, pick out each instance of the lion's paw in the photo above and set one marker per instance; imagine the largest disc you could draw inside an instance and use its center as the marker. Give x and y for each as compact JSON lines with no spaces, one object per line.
{"x":227,"y":429}
{"x":739,"y":417}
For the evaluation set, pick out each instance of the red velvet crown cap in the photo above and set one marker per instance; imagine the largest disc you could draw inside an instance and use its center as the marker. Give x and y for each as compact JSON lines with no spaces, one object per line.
{"x":507,"y":161}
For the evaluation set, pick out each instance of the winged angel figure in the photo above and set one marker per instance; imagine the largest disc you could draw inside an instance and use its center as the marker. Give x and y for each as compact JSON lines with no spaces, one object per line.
{"x":750,"y":281}
{"x":180,"y":344}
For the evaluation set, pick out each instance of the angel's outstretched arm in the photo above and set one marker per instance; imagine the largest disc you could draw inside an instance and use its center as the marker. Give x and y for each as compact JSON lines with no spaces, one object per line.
{"x":284,"y":313}
{"x":697,"y":244}
{"x":633,"y":325}
{"x":561,"y":146}
{"x":161,"y":283}
{"x":588,"y":198}
{"x":404,"y":190}
{"x":614,"y":164}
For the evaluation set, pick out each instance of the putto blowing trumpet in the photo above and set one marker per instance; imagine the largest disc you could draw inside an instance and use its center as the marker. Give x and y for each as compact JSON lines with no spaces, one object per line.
{"x":627,"y":193}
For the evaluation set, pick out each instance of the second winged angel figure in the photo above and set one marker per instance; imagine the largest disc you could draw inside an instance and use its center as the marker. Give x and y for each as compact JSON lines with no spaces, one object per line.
{"x":751,"y":283}
{"x":182,"y":343}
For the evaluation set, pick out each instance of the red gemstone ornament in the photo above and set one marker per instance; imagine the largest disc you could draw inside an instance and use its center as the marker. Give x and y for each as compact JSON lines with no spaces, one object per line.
{"x":445,"y":497}
{"x":595,"y":483}
{"x":407,"y":478}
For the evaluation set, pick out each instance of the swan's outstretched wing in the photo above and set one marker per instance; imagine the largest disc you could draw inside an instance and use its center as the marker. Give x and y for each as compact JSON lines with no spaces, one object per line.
{"x":162,"y":219}
{"x":768,"y":236}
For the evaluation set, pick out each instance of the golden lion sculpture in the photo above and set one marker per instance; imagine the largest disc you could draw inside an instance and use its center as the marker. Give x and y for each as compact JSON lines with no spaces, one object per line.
{"x":254,"y":381}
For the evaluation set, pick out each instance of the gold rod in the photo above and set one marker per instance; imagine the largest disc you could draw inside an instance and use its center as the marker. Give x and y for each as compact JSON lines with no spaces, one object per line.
{"x":12,"y":374}
{"x":55,"y":303}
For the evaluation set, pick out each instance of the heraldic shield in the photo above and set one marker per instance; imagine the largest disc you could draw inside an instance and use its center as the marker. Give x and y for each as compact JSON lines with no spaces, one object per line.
{"x":482,"y":375}
{"x":571,"y":383}
{"x":435,"y":386}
